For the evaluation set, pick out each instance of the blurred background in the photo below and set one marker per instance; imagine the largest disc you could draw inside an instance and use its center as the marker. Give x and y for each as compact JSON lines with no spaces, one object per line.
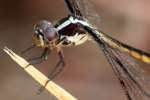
{"x":87,"y":74}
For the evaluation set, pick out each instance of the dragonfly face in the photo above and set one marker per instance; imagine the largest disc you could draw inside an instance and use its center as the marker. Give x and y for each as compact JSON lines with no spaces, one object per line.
{"x":45,"y":35}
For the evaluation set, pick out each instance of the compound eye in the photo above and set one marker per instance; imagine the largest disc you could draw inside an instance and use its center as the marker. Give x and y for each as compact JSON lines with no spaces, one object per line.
{"x":51,"y":34}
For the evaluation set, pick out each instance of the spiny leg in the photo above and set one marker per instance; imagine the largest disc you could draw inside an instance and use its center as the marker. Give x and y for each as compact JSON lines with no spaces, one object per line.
{"x":57,"y":69}
{"x":28,"y":49}
{"x":40,"y":59}
{"x":47,"y":51}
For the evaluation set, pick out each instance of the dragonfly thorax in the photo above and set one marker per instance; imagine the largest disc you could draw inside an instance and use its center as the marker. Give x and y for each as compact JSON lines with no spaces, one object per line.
{"x":45,"y":35}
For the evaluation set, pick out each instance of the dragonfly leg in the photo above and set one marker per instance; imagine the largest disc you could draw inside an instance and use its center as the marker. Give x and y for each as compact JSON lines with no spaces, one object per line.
{"x":28,"y":49}
{"x":57,"y":69}
{"x":40,"y":59}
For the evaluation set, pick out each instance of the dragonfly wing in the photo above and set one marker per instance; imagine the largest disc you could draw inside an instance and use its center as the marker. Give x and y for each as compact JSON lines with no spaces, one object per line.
{"x":84,"y":10}
{"x":134,"y":78}
{"x":73,"y":7}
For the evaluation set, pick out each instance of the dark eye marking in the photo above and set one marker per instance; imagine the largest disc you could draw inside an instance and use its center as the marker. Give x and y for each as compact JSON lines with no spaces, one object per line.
{"x":39,"y":31}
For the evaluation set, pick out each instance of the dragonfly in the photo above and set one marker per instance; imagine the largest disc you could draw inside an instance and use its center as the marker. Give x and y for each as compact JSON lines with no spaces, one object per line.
{"x":81,"y":25}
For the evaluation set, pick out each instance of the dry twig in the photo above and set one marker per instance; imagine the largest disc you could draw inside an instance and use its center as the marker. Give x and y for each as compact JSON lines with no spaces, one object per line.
{"x":56,"y":90}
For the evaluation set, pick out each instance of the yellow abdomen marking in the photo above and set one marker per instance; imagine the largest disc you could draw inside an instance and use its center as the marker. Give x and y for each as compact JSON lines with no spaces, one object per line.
{"x":146,"y":58}
{"x":135,"y":54}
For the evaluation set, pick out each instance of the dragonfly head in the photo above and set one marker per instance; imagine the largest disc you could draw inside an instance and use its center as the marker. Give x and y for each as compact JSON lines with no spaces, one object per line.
{"x":45,"y":34}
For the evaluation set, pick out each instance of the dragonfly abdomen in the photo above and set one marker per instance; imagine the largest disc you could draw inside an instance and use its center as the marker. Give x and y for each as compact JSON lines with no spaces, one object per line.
{"x":135,"y":53}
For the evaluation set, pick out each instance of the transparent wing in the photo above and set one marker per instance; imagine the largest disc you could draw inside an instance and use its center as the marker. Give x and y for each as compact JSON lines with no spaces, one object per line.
{"x":74,"y":8}
{"x":83,"y":9}
{"x":134,"y":78}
